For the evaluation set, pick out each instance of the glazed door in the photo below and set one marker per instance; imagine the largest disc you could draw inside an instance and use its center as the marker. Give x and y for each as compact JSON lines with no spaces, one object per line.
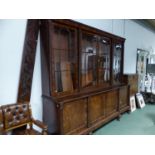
{"x":95,"y":60}
{"x":117,"y":68}
{"x":88,"y":59}
{"x":104,"y":57}
{"x":64,"y":59}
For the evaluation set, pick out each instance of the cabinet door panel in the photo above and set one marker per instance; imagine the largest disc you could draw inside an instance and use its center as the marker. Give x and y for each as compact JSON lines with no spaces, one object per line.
{"x":123,"y":94}
{"x":111,"y":102}
{"x":74,"y":115}
{"x":96,"y":108}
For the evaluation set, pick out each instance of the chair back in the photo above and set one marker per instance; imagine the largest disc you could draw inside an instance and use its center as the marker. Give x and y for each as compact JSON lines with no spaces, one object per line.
{"x":16,"y":115}
{"x":1,"y":121}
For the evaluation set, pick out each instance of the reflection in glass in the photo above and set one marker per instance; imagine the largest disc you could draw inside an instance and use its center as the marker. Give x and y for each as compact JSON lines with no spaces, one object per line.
{"x":104,"y":61}
{"x":117,"y":63}
{"x":95,"y":60}
{"x":64,"y":59}
{"x":88,"y":60}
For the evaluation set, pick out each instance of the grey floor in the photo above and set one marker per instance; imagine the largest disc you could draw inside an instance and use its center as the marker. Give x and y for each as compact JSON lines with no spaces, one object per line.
{"x":139,"y":122}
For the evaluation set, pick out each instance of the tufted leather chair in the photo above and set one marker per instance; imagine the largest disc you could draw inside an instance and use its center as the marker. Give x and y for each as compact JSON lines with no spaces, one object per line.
{"x":19,"y":115}
{"x":1,"y":122}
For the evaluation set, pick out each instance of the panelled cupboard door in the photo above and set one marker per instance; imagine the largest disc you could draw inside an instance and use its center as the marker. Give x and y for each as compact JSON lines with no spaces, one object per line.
{"x":111,"y":100}
{"x":123,"y":97}
{"x":96,"y":108}
{"x":74,"y":116}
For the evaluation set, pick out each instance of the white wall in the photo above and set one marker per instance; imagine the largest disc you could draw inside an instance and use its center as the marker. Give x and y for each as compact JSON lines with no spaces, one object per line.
{"x":11,"y":46}
{"x":36,"y":92}
{"x":12,"y":34}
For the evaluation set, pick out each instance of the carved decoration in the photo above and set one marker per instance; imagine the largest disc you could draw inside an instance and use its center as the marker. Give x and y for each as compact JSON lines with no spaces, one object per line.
{"x":28,"y":61}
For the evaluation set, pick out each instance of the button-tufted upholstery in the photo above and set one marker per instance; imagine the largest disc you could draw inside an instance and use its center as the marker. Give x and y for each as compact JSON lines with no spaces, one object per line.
{"x":18,"y":115}
{"x":1,"y":122}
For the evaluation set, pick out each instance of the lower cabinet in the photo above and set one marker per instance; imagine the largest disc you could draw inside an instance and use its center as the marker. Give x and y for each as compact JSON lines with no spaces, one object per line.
{"x":84,"y":114}
{"x":101,"y":108}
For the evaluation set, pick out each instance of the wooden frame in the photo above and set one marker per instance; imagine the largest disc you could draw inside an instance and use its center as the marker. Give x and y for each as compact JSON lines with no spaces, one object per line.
{"x":132,"y":103}
{"x":140,"y":100}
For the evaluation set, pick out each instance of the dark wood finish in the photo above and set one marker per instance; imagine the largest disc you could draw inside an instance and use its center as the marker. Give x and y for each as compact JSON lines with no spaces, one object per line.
{"x":80,"y":90}
{"x":50,"y":115}
{"x":74,"y":116}
{"x":111,"y":102}
{"x":28,"y":60}
{"x":132,"y":80}
{"x":124,"y":98}
{"x":96,"y":108}
{"x":1,"y":122}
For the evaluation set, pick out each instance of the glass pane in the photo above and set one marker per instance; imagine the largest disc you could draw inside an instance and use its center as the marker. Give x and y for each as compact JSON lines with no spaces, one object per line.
{"x":89,"y":60}
{"x":117,"y":63}
{"x":104,"y":61}
{"x":64,"y":59}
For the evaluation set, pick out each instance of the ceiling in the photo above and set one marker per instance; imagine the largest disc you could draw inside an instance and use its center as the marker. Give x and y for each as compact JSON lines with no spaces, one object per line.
{"x":149,"y":23}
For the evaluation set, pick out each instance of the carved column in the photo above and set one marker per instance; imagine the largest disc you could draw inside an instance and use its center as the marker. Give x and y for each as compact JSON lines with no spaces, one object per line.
{"x":28,"y":60}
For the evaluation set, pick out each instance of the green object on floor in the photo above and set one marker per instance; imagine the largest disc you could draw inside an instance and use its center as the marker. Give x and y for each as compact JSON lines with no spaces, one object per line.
{"x":139,"y":122}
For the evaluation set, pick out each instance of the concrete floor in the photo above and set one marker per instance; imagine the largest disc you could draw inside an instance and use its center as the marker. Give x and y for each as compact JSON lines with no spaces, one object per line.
{"x":139,"y":122}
